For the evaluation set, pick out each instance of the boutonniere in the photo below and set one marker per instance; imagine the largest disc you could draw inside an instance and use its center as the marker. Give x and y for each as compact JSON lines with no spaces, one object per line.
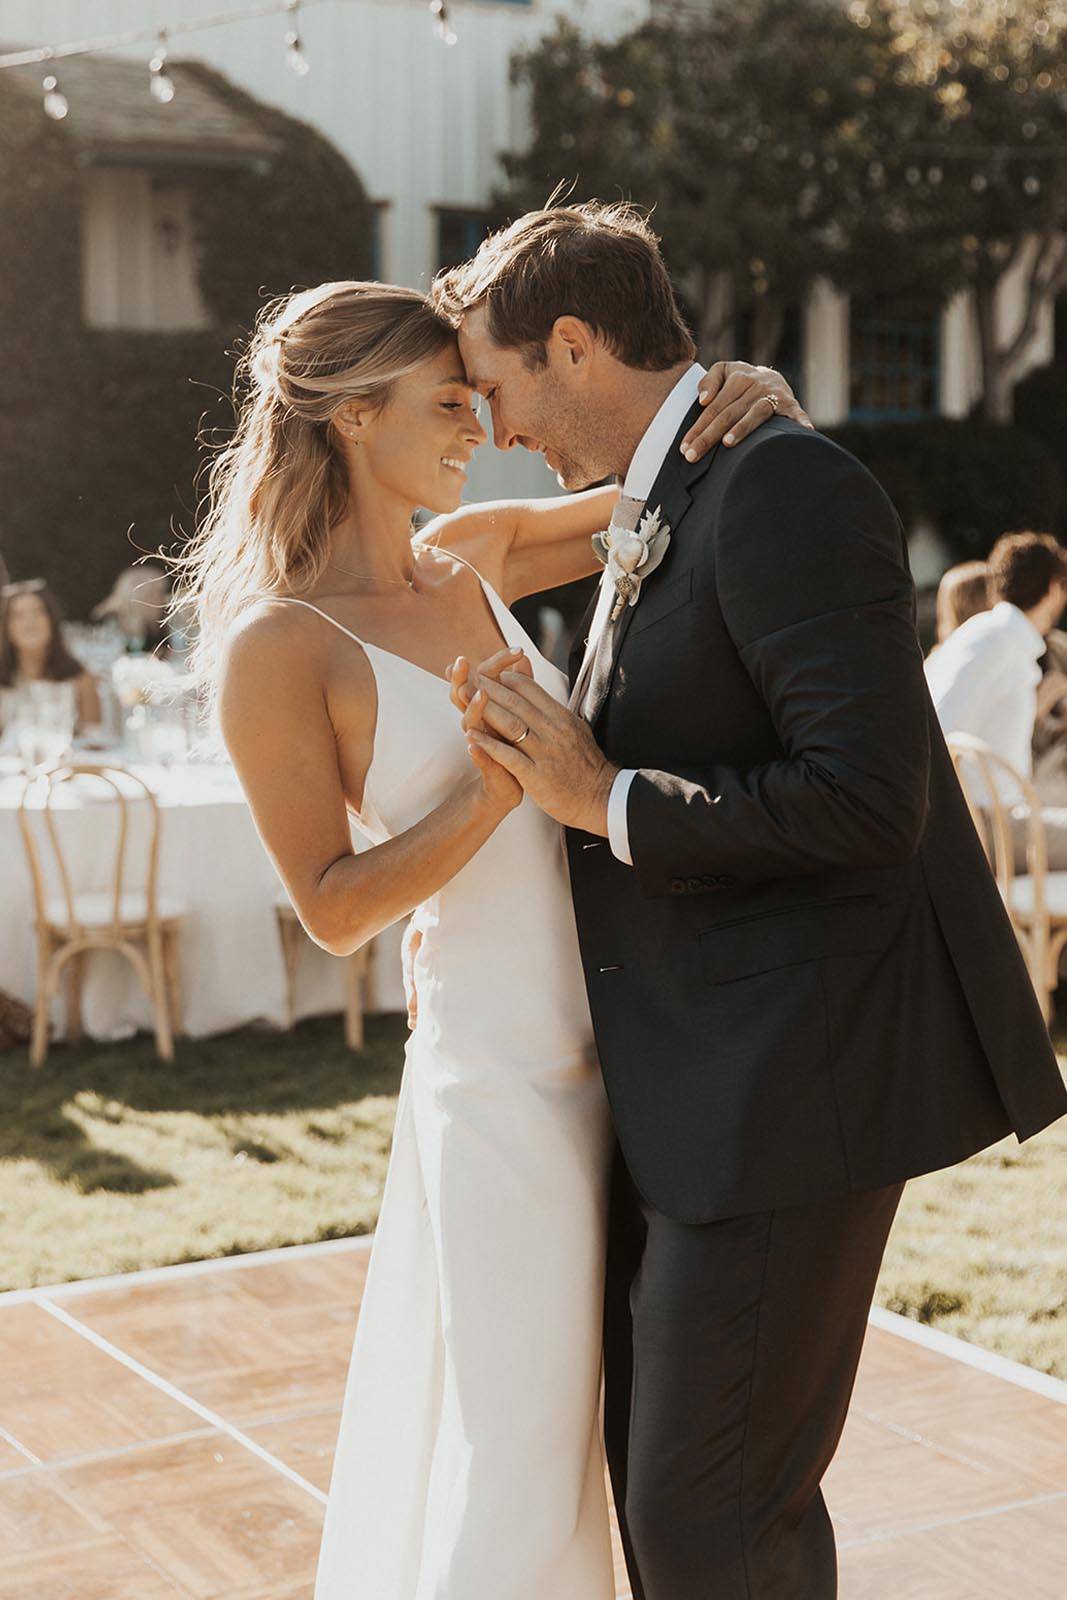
{"x":630,"y":557}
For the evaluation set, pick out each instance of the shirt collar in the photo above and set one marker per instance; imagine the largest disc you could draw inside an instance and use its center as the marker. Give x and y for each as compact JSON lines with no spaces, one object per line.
{"x":1018,"y":623}
{"x":659,"y":435}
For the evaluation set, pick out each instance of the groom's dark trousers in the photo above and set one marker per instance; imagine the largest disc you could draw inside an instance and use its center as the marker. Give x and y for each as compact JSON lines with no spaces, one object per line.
{"x":805,"y":990}
{"x":730,"y":1352}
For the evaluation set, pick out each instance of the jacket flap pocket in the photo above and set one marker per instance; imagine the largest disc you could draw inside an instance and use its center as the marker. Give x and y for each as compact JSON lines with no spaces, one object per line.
{"x":785,"y":938}
{"x":656,"y":602}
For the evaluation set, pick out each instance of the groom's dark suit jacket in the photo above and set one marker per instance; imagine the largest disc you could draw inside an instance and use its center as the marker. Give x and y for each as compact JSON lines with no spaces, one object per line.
{"x":807,"y":983}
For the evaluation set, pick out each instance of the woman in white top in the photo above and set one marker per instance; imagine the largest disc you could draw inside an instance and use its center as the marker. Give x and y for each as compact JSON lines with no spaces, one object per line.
{"x":984,"y":678}
{"x":32,"y":654}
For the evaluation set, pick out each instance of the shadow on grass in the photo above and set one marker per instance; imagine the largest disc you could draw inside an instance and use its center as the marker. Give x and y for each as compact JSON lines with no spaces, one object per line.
{"x":250,"y":1071}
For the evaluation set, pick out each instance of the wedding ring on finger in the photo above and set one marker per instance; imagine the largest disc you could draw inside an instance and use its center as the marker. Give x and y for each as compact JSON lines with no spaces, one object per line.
{"x":525,"y":734}
{"x":773,"y":401}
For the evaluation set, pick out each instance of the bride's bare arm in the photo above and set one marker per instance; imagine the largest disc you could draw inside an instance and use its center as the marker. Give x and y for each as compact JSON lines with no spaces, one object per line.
{"x":298,"y":769}
{"x":526,"y":546}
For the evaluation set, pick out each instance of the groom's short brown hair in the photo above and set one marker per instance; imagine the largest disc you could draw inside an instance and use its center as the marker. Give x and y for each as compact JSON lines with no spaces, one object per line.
{"x":600,"y":263}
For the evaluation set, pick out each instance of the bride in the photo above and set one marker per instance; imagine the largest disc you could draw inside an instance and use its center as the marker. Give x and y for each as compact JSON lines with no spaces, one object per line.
{"x":469,"y":1462}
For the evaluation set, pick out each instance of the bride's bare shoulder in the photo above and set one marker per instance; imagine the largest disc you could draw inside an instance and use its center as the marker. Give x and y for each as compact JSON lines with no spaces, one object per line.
{"x":276,"y":639}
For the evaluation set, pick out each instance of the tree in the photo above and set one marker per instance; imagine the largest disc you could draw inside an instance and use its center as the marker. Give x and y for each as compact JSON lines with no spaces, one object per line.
{"x":993,"y":76}
{"x":903,"y":149}
{"x":755,"y":130}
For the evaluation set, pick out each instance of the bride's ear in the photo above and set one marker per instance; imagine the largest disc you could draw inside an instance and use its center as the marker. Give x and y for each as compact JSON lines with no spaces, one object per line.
{"x":350,"y":420}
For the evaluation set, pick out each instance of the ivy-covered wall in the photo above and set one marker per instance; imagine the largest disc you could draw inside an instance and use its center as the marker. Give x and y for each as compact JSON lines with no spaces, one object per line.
{"x":98,"y":429}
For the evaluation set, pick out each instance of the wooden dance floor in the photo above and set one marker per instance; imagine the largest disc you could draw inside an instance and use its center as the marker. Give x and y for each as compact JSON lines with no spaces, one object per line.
{"x":169,"y":1434}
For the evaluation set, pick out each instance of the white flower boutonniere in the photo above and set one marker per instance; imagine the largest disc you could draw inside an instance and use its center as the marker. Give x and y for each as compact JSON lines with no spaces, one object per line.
{"x":630,"y":557}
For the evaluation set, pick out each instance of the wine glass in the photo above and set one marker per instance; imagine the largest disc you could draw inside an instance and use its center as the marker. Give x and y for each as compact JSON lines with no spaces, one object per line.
{"x":43,"y":722}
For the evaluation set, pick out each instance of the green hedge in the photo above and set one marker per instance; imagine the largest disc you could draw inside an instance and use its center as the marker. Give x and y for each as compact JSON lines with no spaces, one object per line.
{"x":971,"y":480}
{"x":98,"y":430}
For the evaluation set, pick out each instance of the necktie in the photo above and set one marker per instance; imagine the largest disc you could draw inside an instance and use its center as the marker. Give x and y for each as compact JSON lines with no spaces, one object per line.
{"x":598,"y":651}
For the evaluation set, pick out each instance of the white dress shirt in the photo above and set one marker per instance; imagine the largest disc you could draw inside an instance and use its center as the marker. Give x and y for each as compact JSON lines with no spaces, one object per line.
{"x":647,"y":459}
{"x":983,"y":681}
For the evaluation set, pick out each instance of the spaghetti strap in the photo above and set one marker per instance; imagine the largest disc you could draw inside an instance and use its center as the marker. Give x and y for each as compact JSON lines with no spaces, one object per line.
{"x":291,"y":600}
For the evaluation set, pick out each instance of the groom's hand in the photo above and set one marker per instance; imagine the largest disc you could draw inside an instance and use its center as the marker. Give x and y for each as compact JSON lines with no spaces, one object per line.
{"x":737,"y":399}
{"x":558,"y":762}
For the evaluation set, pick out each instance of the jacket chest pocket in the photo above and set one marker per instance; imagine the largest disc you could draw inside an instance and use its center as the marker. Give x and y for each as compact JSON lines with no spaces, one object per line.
{"x":660,"y":601}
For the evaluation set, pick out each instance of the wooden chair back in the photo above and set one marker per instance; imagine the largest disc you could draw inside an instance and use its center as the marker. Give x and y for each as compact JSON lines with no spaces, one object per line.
{"x":987,"y":779}
{"x":117,"y":782}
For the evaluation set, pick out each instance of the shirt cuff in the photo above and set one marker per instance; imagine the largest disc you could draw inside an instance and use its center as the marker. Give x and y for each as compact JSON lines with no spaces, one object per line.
{"x":618,"y":829}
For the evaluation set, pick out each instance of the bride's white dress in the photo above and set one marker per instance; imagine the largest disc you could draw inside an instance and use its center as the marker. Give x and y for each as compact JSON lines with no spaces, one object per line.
{"x":469,"y":1463}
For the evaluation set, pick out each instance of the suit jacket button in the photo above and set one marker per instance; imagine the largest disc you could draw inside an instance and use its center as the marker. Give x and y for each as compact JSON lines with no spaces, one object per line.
{"x":695,"y":884}
{"x":677,"y":886}
{"x":727,"y":880}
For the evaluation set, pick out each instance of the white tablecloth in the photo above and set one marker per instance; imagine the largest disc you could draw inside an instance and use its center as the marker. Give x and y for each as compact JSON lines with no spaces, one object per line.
{"x":212,"y":861}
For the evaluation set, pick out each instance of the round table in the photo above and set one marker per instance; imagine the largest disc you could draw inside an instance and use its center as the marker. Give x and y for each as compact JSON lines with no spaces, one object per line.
{"x":211,"y":860}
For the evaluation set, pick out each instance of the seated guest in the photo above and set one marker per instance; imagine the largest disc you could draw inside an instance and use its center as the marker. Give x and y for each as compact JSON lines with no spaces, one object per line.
{"x":984,"y":678}
{"x":962,"y":593}
{"x":138,"y":602}
{"x":32,"y":651}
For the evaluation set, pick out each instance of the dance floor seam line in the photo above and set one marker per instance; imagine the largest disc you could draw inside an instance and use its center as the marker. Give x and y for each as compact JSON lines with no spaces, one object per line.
{"x":179,"y":1396}
{"x":23,"y":1450}
{"x":923,"y":1440}
{"x":114,"y":1452}
{"x":906,"y":1530}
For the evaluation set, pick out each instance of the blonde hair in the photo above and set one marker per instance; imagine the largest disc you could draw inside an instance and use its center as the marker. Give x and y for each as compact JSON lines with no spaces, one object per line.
{"x":962,"y":593}
{"x":278,"y":487}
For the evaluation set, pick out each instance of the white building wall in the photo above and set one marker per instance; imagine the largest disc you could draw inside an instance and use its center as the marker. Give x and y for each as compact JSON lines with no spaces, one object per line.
{"x":826,"y":355}
{"x":422,"y":124}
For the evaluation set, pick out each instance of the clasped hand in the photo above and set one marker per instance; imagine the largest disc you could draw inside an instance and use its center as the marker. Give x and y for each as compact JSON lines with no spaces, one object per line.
{"x":514,"y":724}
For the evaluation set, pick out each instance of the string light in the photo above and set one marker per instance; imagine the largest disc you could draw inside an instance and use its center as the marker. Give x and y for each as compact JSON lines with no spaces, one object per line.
{"x":295,"y":58}
{"x":106,"y":43}
{"x":160,"y":82}
{"x":442,"y":25}
{"x":55,"y":101}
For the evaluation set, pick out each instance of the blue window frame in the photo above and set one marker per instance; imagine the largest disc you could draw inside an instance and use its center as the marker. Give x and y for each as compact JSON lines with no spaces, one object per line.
{"x":459,"y":233}
{"x":895,"y":366}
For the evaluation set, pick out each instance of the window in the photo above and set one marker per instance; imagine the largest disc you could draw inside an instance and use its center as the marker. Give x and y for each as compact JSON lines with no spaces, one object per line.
{"x":459,"y":233}
{"x":895,"y":366}
{"x":139,"y":258}
{"x":379,"y":213}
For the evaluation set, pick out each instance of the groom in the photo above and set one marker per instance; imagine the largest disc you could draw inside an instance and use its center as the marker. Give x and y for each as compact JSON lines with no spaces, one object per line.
{"x":802,"y":980}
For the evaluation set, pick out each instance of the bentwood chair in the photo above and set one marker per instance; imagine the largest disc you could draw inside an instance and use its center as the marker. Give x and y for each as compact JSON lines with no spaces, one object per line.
{"x":356,"y":967}
{"x":1002,"y":802}
{"x":129,"y":917}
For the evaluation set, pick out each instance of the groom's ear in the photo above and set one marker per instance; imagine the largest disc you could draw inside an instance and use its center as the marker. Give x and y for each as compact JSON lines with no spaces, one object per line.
{"x":573,"y":341}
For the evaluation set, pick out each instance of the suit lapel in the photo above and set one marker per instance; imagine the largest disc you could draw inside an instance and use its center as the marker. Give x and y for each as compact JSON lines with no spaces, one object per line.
{"x":672,"y":493}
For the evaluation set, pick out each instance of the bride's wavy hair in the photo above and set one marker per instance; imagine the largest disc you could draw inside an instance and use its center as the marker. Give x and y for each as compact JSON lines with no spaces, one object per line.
{"x":279,"y":485}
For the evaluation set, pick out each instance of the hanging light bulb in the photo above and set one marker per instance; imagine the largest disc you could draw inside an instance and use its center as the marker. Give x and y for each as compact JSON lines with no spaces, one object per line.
{"x":55,"y":101}
{"x":442,"y":26}
{"x":295,"y":59}
{"x":160,"y":82}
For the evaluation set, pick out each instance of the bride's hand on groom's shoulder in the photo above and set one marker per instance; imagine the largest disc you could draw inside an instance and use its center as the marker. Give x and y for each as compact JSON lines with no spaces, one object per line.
{"x":738,"y":398}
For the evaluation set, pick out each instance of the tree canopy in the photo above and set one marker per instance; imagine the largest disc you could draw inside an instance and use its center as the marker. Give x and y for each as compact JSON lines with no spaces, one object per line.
{"x":902,"y":149}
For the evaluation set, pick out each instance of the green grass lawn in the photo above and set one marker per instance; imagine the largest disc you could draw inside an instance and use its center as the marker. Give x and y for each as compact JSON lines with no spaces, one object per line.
{"x":110,"y":1161}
